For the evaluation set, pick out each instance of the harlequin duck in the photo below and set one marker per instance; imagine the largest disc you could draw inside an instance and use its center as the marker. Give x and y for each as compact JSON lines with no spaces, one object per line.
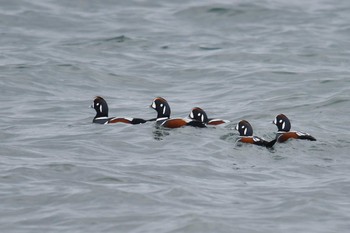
{"x":246,"y":135}
{"x":101,"y":107}
{"x":199,"y":114}
{"x":163,"y":116}
{"x":283,"y":124}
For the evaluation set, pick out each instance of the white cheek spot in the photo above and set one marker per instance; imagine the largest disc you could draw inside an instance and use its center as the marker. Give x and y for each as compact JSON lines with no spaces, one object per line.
{"x":98,"y":104}
{"x":281,"y":121}
{"x":245,"y":131}
{"x":161,"y":105}
{"x":163,"y":108}
{"x":191,"y":115}
{"x":275,"y":121}
{"x":283,"y":125}
{"x":100,"y":108}
{"x":154,"y":105}
{"x":242,"y":127}
{"x":199,"y":114}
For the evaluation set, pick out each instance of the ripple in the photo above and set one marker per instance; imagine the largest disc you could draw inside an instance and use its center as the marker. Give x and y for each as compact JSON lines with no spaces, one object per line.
{"x":239,"y":60}
{"x":118,"y":39}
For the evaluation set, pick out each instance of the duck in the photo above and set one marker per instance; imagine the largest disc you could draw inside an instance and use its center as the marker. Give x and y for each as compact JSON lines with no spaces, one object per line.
{"x":246,"y":135}
{"x":101,"y":107}
{"x":199,"y":114}
{"x":284,"y":134}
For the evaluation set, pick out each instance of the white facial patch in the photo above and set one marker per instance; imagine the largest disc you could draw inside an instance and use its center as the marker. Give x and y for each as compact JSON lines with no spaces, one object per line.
{"x":154,"y":105}
{"x":275,"y":121}
{"x":191,"y":115}
{"x":161,"y":105}
{"x":98,"y":104}
{"x":281,"y":121}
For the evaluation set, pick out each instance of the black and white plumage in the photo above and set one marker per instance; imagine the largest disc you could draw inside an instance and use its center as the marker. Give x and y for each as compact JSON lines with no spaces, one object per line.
{"x":199,"y":114}
{"x":246,"y":135}
{"x":101,"y":107}
{"x":163,"y":116}
{"x":283,"y":125}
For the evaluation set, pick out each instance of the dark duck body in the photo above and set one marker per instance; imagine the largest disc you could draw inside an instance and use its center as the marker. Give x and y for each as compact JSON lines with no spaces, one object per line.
{"x":283,"y":124}
{"x":246,"y":135}
{"x":101,"y":108}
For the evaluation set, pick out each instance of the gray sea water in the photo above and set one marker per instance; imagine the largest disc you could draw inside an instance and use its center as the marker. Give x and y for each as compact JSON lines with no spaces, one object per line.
{"x":236,"y":59}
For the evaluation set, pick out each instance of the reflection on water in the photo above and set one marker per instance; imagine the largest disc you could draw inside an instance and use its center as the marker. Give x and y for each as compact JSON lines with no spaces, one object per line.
{"x":160,"y":132}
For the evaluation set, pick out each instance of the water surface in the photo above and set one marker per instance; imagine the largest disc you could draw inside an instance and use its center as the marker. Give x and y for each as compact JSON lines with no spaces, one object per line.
{"x":237,"y":60}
